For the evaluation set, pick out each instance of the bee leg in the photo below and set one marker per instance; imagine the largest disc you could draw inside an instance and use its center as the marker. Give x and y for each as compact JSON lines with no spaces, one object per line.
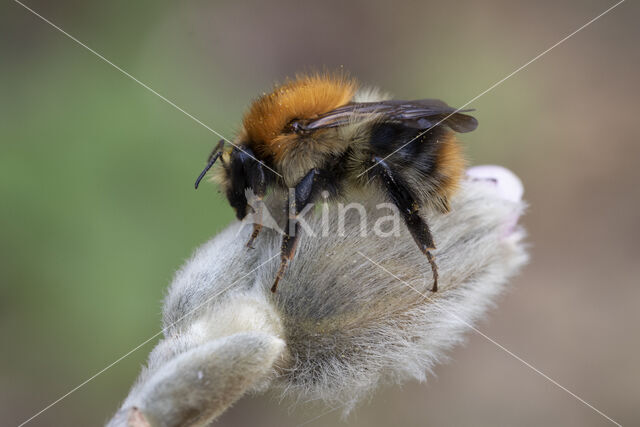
{"x":217,"y":152}
{"x":305,"y":192}
{"x":244,"y":171}
{"x":237,"y":179}
{"x":257,"y":221}
{"x":258,"y":183}
{"x":403,"y":198}
{"x":257,"y":227}
{"x":288,"y":248}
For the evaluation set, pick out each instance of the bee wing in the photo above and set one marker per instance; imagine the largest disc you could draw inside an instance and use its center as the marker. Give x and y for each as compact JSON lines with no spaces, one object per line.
{"x":418,"y":114}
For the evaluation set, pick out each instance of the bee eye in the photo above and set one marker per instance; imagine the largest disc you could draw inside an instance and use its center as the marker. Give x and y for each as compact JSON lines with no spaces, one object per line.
{"x":295,"y":126}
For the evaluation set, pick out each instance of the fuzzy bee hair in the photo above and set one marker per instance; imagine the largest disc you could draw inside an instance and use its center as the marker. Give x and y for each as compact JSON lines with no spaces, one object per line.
{"x":352,"y":312}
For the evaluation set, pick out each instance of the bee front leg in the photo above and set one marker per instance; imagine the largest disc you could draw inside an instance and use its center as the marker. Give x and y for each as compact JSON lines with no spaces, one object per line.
{"x":305,"y":191}
{"x":243,"y":172}
{"x":402,"y":197}
{"x":257,"y":225}
{"x":257,"y":180}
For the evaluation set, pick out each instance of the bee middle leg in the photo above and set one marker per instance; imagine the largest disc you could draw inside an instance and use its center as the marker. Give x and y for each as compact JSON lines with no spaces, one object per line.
{"x":402,"y":197}
{"x":305,"y":192}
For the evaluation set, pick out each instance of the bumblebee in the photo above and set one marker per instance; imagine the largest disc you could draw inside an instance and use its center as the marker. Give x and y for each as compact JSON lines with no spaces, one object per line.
{"x":320,"y":132}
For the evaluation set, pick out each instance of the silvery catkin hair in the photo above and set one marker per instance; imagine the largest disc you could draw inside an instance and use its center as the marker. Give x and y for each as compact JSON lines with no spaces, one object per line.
{"x":353,"y":311}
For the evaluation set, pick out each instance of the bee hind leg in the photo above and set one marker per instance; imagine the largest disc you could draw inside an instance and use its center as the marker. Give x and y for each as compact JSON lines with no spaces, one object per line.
{"x":401,"y":196}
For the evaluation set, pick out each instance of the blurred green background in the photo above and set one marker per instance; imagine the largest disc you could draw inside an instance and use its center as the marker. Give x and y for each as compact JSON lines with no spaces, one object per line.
{"x":98,"y":208}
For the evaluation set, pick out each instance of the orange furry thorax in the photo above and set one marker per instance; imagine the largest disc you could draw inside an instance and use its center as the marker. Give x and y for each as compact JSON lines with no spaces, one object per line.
{"x":303,"y":98}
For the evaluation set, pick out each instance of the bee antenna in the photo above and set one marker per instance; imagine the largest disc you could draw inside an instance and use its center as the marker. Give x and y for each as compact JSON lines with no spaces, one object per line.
{"x":217,"y":152}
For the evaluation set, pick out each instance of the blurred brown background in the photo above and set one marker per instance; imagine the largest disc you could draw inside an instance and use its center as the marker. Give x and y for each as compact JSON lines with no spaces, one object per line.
{"x":98,"y":209}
